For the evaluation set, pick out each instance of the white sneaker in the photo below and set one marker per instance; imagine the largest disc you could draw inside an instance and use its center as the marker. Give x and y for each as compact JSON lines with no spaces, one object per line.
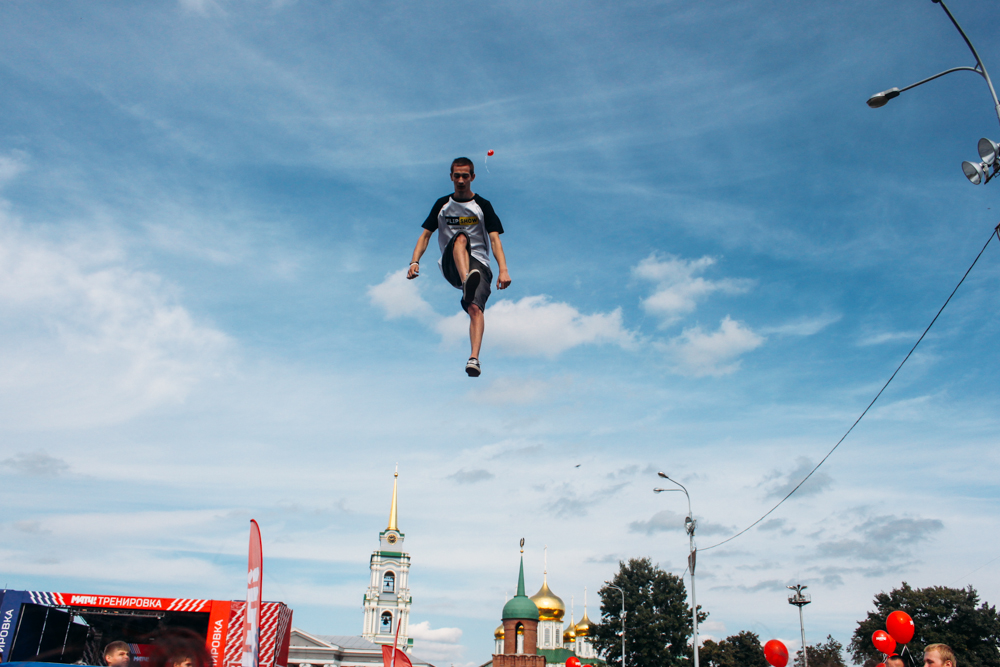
{"x":470,"y":285}
{"x":472,"y":367}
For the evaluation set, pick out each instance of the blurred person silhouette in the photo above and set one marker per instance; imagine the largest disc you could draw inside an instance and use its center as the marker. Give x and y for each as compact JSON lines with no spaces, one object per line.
{"x":179,"y":647}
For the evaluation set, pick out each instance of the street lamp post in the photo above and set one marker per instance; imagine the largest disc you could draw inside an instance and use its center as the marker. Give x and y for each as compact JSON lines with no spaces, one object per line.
{"x":689,"y":526}
{"x":800,"y":599}
{"x":623,"y":620}
{"x":989,"y":166}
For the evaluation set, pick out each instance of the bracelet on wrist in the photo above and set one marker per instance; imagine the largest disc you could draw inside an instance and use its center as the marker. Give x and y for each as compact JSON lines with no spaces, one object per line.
{"x":412,"y":263}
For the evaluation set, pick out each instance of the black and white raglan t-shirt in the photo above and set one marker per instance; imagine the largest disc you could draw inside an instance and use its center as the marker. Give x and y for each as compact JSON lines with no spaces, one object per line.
{"x":475,"y":217}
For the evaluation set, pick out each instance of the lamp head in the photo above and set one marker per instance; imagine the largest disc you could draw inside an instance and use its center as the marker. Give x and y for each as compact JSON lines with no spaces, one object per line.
{"x":988,"y":150}
{"x":976,"y":173}
{"x":881,"y":99}
{"x":663,"y":475}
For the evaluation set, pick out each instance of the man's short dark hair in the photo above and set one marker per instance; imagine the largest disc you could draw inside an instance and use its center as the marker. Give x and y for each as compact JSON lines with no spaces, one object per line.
{"x":116,"y":646}
{"x":463,"y":162}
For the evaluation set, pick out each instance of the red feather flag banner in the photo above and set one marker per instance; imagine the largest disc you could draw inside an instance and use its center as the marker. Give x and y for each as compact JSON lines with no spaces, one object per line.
{"x":400,"y":659}
{"x":251,"y":617}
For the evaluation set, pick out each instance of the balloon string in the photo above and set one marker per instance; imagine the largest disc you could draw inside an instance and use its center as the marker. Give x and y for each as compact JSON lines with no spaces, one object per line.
{"x":995,"y":232}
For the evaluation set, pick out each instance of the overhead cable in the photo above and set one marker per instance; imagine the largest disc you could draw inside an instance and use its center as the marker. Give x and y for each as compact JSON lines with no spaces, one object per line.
{"x":996,"y":232}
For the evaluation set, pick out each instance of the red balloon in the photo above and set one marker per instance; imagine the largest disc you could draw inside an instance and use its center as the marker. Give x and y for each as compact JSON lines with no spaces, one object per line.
{"x":900,"y":626}
{"x":490,"y":152}
{"x":883,"y":642}
{"x":775,"y":653}
{"x":572,"y":661}
{"x":881,"y":664}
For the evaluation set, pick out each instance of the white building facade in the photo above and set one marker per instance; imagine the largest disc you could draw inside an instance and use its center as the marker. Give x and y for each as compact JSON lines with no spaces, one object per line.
{"x":387,"y":600}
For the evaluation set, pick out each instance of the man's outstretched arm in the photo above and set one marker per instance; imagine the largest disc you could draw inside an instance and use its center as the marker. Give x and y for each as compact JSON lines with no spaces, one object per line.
{"x":418,"y":252}
{"x":503,"y":278}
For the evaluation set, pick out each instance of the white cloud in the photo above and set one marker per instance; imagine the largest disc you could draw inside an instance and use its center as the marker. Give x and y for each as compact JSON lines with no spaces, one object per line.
{"x":202,"y":7}
{"x":399,"y":297}
{"x":440,"y":645}
{"x":781,"y":482}
{"x":515,"y":391}
{"x":806,"y":326}
{"x":532,"y":326}
{"x":678,"y":287}
{"x":535,"y":326}
{"x":889,"y":337}
{"x":91,"y":340}
{"x":697,"y":353}
{"x":11,"y":165}
{"x":36,"y":464}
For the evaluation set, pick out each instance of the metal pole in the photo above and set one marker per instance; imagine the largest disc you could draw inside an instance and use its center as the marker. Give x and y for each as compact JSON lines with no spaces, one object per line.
{"x":623,"y":620}
{"x":880,"y":99}
{"x":802,"y":628}
{"x":979,"y":61}
{"x":689,"y":526}
{"x":694,"y":600}
{"x":800,"y":599}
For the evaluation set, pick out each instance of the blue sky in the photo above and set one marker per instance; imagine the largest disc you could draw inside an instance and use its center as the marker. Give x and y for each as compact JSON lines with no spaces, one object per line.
{"x":719,"y":253}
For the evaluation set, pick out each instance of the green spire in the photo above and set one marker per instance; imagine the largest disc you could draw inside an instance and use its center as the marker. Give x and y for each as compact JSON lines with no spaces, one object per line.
{"x":520,"y":606}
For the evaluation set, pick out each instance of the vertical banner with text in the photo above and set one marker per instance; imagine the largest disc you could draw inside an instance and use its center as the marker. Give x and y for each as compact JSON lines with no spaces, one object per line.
{"x":251,"y":617}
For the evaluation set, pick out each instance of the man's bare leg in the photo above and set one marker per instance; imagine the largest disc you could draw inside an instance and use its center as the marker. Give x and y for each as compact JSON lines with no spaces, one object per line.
{"x":460,"y":251}
{"x":476,"y":325}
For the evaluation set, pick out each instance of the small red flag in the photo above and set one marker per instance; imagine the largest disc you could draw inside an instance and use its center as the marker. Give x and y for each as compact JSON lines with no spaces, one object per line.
{"x":401,"y":659}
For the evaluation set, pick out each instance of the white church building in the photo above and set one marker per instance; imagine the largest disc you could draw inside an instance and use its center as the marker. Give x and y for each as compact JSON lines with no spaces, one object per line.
{"x":386,"y":610}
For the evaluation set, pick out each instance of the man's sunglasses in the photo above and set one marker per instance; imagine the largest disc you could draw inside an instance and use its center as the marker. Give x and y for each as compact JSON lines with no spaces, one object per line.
{"x":458,"y":175}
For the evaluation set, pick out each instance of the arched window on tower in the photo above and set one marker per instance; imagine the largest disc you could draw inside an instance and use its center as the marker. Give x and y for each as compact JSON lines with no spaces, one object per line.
{"x":386,"y":621}
{"x":389,"y":583}
{"x":520,"y":638}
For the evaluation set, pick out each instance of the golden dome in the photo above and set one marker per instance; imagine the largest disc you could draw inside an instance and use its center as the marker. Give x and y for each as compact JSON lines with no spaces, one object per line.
{"x":498,"y":633}
{"x":569,"y":636}
{"x":583,"y":627}
{"x":550,"y":606}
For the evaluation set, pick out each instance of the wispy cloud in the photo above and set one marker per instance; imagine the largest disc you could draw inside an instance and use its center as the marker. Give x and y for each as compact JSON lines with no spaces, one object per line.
{"x":464,"y":476}
{"x":679,"y":288}
{"x":93,"y":334}
{"x":881,"y":537}
{"x":36,"y":464}
{"x":517,"y":391}
{"x":12,"y":165}
{"x":778,"y":483}
{"x":806,"y":326}
{"x":667,"y":521}
{"x":889,"y":337}
{"x":697,"y":353}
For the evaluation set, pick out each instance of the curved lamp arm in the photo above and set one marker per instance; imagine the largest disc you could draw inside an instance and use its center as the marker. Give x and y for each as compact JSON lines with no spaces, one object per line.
{"x":881,"y":99}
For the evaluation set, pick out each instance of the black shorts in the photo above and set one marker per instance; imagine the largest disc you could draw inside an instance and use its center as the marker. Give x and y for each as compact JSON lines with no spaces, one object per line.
{"x":451,"y":275}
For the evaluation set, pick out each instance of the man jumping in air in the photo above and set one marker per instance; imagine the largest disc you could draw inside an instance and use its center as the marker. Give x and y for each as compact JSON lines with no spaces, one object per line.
{"x":468,"y":228}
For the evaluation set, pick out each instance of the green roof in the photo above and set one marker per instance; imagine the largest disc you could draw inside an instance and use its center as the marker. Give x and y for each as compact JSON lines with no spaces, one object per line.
{"x":520,"y":606}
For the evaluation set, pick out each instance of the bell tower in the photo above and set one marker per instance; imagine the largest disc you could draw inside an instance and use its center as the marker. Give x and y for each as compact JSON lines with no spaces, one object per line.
{"x":387,"y":600}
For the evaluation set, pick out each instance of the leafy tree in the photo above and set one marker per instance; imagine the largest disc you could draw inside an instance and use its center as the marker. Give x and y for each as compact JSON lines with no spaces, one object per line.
{"x":829,"y":654}
{"x":951,"y":616}
{"x":658,"y":619}
{"x":742,"y":650}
